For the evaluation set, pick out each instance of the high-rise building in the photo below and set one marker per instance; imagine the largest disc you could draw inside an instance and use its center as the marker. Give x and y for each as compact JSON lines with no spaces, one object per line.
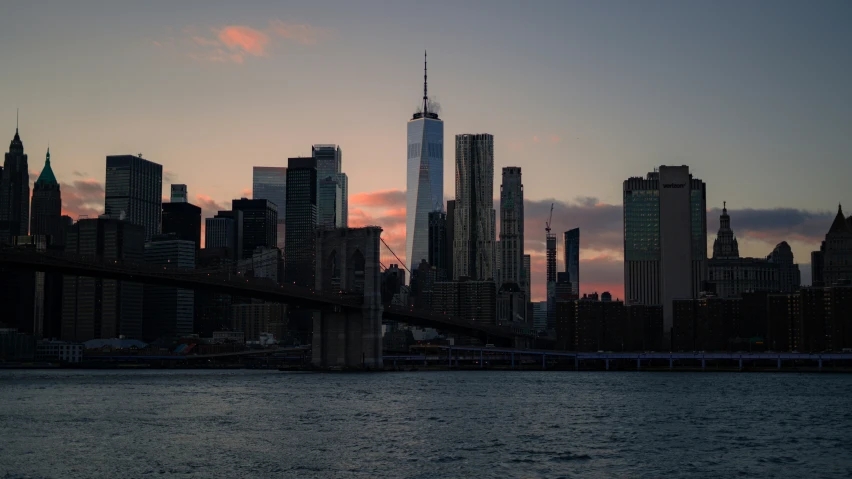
{"x":665,"y":238}
{"x":270,"y":183}
{"x":438,"y":244}
{"x":14,"y":193}
{"x":182,"y":218}
{"x":225,"y":230}
{"x":46,"y":207}
{"x":329,"y":203}
{"x":834,"y":260}
{"x":169,"y":310}
{"x":789,"y":276}
{"x":511,"y":249}
{"x":528,"y":275}
{"x":97,"y":307}
{"x":134,"y":189}
{"x":451,"y":227}
{"x":550,"y":274}
{"x":301,"y":219}
{"x":333,"y":193}
{"x":572,"y":259}
{"x":425,"y":176}
{"x":260,"y":220}
{"x":179,"y":194}
{"x":473,"y":235}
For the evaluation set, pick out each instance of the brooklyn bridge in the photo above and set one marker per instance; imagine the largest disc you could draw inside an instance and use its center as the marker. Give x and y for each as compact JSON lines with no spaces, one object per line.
{"x":347,"y":314}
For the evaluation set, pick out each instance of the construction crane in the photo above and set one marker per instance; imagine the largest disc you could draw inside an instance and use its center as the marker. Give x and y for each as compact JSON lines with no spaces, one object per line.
{"x":547,"y":223}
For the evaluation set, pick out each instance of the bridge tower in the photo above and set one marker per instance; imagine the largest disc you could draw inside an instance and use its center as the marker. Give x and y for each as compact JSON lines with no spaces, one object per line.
{"x":347,"y":262}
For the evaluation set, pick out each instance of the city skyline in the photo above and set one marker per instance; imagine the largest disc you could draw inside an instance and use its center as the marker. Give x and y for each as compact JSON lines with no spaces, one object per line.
{"x":806,"y":190}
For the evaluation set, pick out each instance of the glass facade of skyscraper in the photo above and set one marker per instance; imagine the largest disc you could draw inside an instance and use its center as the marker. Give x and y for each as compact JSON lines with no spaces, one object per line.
{"x":572,"y":259}
{"x":425,"y":183}
{"x":332,"y":201}
{"x":134,"y":188}
{"x":270,"y":183}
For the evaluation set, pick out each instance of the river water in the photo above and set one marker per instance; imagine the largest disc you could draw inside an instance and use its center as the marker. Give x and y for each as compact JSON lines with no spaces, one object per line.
{"x":230,"y":424}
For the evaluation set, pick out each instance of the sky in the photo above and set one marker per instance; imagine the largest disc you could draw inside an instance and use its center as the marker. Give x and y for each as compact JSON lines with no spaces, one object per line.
{"x":753,"y":96}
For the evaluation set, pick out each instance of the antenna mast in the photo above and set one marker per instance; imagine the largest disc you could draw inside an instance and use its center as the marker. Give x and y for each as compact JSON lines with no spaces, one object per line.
{"x":425,"y":95}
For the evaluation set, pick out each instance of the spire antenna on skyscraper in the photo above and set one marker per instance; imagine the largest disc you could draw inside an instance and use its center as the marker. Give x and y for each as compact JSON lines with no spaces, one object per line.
{"x":425,"y":89}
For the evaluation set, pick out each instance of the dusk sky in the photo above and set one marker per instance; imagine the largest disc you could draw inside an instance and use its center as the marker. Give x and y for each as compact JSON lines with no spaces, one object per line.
{"x":754,"y":96}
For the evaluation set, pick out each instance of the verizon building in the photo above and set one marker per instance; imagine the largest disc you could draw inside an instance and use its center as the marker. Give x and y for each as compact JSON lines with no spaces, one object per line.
{"x":665,"y":238}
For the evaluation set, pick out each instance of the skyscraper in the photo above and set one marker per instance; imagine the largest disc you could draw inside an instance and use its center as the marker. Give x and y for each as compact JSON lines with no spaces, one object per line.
{"x":512,"y":228}
{"x":300,"y":244}
{"x":179,"y":194}
{"x":438,"y":244}
{"x":270,"y":183}
{"x":96,"y":307}
{"x":572,"y":259}
{"x":333,"y":193}
{"x":425,"y":176}
{"x":259,"y":228}
{"x":473,"y":241}
{"x":451,"y":226}
{"x":181,"y":218}
{"x":169,"y":310}
{"x":835,"y":257}
{"x":665,"y":238}
{"x":47,"y":205}
{"x":14,"y":193}
{"x":134,"y":189}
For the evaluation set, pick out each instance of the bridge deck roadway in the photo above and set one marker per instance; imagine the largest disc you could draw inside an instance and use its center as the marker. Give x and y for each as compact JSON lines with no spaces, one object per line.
{"x":292,"y":295}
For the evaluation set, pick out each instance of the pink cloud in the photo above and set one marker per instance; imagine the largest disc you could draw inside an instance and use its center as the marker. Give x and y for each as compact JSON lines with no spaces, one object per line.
{"x":390,"y":198}
{"x":82,"y":198}
{"x":245,"y":39}
{"x":554,"y":139}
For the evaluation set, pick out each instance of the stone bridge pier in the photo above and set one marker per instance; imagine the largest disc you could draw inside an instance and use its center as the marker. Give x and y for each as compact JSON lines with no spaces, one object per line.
{"x":347,"y":262}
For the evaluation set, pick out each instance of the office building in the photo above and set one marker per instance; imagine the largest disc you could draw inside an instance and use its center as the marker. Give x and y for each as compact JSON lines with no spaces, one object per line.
{"x":264,"y":263}
{"x":225,"y":230}
{"x":182,"y":218}
{"x":97,"y":307}
{"x":451,"y":227}
{"x":301,"y":222}
{"x":260,"y":220}
{"x":511,"y":305}
{"x":473,"y":235}
{"x":528,"y":276}
{"x":134,"y":191}
{"x":168,"y":310}
{"x":333,"y":194}
{"x":572,"y":259}
{"x":511,"y":250}
{"x":14,"y":192}
{"x":438,"y":247}
{"x":833,"y":262}
{"x":46,"y":217}
{"x":425,"y":176}
{"x":665,"y":238}
{"x":789,"y":276}
{"x":270,"y":183}
{"x":179,"y":194}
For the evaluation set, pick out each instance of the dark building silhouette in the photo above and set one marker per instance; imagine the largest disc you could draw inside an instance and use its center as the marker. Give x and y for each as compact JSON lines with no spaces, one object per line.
{"x":46,"y":211}
{"x":184,"y":221}
{"x":134,"y":188}
{"x":97,"y":307}
{"x":225,"y":230}
{"x":260,"y":224}
{"x":451,"y":218}
{"x":392,"y":279}
{"x":168,"y":310}
{"x":301,"y":222}
{"x":833,"y":262}
{"x":572,"y":258}
{"x":14,"y":193}
{"x":438,"y":243}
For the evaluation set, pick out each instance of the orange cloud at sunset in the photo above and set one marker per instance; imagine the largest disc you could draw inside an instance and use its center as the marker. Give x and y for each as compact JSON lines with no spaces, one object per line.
{"x":244,"y":38}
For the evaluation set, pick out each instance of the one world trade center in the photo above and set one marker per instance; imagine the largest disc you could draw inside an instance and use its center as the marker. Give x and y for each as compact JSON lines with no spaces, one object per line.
{"x":425,"y":186}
